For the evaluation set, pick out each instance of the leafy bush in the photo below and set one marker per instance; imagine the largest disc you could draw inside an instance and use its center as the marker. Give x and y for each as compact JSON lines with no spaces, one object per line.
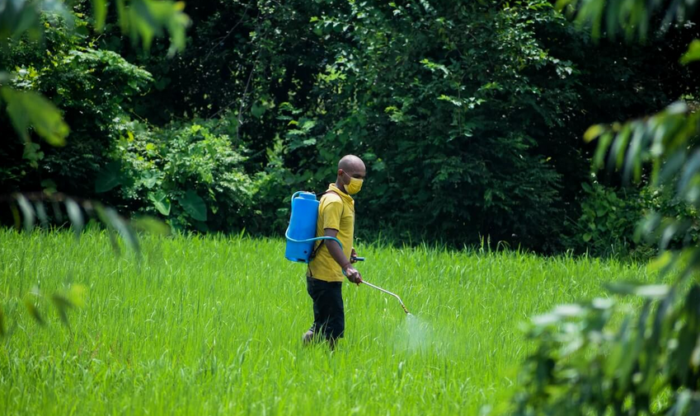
{"x":587,"y":362}
{"x":446,"y":127}
{"x":94,"y":90}
{"x":608,"y":225}
{"x":467,"y":113}
{"x":191,"y":174}
{"x":607,"y":222}
{"x":64,"y":29}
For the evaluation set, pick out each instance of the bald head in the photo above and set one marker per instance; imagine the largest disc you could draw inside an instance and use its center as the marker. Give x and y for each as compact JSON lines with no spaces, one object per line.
{"x":352,"y":164}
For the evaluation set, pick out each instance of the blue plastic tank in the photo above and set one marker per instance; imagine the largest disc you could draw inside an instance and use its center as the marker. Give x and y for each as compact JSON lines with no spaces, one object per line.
{"x":302,"y":226}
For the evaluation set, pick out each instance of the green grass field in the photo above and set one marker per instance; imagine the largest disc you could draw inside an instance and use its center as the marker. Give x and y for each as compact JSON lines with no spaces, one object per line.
{"x":213,"y":326}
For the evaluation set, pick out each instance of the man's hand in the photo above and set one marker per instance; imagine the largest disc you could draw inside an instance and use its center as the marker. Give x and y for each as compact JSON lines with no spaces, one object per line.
{"x":352,"y":274}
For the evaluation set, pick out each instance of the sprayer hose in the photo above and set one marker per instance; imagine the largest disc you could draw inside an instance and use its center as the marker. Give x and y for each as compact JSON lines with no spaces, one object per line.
{"x":308,"y":240}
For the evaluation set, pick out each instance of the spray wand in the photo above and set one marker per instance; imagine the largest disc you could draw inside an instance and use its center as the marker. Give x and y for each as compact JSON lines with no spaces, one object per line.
{"x":388,"y":293}
{"x":382,"y":290}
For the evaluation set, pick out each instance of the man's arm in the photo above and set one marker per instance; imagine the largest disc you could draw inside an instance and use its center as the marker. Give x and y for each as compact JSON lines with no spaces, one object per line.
{"x":334,"y":248}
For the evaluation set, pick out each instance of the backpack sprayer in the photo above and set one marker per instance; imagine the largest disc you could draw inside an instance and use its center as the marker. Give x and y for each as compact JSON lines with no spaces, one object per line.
{"x":301,"y":235}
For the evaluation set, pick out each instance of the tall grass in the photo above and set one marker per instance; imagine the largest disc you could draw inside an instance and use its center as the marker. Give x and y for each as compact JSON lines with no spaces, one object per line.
{"x":212,"y":325}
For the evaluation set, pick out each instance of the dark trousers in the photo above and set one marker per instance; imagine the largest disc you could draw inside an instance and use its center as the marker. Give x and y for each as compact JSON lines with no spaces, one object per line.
{"x":329,"y":315}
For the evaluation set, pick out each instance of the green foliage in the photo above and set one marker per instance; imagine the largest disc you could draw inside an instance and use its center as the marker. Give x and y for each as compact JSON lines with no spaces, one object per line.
{"x":600,"y":358}
{"x":607,"y":222}
{"x":94,"y":90}
{"x":62,"y":302}
{"x":29,"y":109}
{"x":145,"y":19}
{"x":693,"y":53}
{"x":633,"y":18}
{"x":52,"y":208}
{"x":142,"y":19}
{"x":20,"y":17}
{"x":586,"y":360}
{"x":467,"y":114}
{"x":193,"y":175}
{"x":668,"y":141}
{"x":433,"y":113}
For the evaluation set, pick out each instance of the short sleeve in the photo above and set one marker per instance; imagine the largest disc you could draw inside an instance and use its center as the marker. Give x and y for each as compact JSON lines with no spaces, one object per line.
{"x":331,"y":214}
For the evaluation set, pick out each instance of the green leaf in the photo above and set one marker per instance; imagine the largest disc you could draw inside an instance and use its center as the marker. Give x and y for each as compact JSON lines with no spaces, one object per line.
{"x":601,"y":149}
{"x":109,"y":178}
{"x":194,"y":205}
{"x":150,"y":180}
{"x":161,"y":202}
{"x":672,"y":166}
{"x":146,"y":19}
{"x":691,"y":168}
{"x":593,"y":132}
{"x":102,"y":215}
{"x":633,"y":164}
{"x":163,"y":206}
{"x":693,"y":53}
{"x":40,"y":210}
{"x":100,"y":13}
{"x":587,"y":237}
{"x":570,"y":310}
{"x":661,"y":261}
{"x":115,"y":220}
{"x":258,"y":110}
{"x":617,"y":150}
{"x":18,"y":17}
{"x":30,"y":110}
{"x":546,"y":319}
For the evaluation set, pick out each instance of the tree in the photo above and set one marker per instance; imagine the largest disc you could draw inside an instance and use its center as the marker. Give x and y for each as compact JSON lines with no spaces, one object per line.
{"x":316,"y":79}
{"x":602,"y":357}
{"x":141,"y":19}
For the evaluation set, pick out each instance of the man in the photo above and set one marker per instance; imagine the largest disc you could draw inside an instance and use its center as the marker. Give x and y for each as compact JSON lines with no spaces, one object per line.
{"x":330,"y":264}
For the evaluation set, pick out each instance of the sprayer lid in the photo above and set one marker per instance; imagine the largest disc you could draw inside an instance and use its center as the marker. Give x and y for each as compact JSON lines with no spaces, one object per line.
{"x":306,"y":195}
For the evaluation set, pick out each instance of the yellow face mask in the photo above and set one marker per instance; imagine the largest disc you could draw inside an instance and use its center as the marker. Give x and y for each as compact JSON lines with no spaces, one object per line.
{"x":354,"y":186}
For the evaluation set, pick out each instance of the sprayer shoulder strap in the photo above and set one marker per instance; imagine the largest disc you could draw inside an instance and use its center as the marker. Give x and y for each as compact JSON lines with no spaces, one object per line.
{"x":320,"y":243}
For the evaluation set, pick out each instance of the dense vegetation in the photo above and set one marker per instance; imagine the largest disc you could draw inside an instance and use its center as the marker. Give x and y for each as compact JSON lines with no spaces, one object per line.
{"x":469,"y":116}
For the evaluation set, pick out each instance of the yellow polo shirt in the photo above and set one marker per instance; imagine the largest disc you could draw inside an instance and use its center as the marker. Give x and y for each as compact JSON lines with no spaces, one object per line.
{"x":337,"y":211}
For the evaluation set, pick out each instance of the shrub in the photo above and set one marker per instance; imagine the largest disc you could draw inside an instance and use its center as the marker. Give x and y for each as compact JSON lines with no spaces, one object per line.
{"x":607,"y":221}
{"x":188,"y":173}
{"x":94,"y":90}
{"x":608,"y":224}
